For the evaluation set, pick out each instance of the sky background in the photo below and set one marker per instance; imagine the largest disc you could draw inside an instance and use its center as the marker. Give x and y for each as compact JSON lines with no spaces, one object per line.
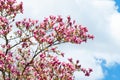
{"x":102,"y":18}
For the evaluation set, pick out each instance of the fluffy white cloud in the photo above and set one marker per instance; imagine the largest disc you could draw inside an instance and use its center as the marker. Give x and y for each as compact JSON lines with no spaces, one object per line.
{"x":115,"y":27}
{"x":102,"y":19}
{"x":87,"y":60}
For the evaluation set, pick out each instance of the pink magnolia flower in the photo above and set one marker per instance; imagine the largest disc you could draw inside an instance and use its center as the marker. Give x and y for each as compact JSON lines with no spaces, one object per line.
{"x":28,"y":48}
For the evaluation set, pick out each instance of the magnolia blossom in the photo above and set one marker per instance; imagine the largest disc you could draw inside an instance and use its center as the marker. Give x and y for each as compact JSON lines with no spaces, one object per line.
{"x":28,"y":50}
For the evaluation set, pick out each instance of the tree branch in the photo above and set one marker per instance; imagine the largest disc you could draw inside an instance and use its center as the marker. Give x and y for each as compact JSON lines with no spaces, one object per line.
{"x":37,"y":54}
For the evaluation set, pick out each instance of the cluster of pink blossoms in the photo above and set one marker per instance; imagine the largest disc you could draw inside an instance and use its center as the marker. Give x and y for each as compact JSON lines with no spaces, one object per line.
{"x":10,"y":7}
{"x":28,"y":50}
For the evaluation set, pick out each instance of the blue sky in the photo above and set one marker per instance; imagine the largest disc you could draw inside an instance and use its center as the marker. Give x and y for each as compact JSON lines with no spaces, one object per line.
{"x":118,"y":4}
{"x":102,"y":17}
{"x":112,"y":73}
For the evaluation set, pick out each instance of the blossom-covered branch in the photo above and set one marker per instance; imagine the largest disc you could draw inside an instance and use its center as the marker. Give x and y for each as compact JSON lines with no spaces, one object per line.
{"x":28,"y":48}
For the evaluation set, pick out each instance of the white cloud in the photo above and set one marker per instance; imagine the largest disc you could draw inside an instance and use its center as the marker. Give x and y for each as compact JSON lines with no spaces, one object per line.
{"x":115,"y":27}
{"x":102,"y":19}
{"x":87,"y":60}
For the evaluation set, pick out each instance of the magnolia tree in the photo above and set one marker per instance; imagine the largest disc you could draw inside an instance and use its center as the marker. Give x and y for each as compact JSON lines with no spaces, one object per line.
{"x":28,"y":48}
